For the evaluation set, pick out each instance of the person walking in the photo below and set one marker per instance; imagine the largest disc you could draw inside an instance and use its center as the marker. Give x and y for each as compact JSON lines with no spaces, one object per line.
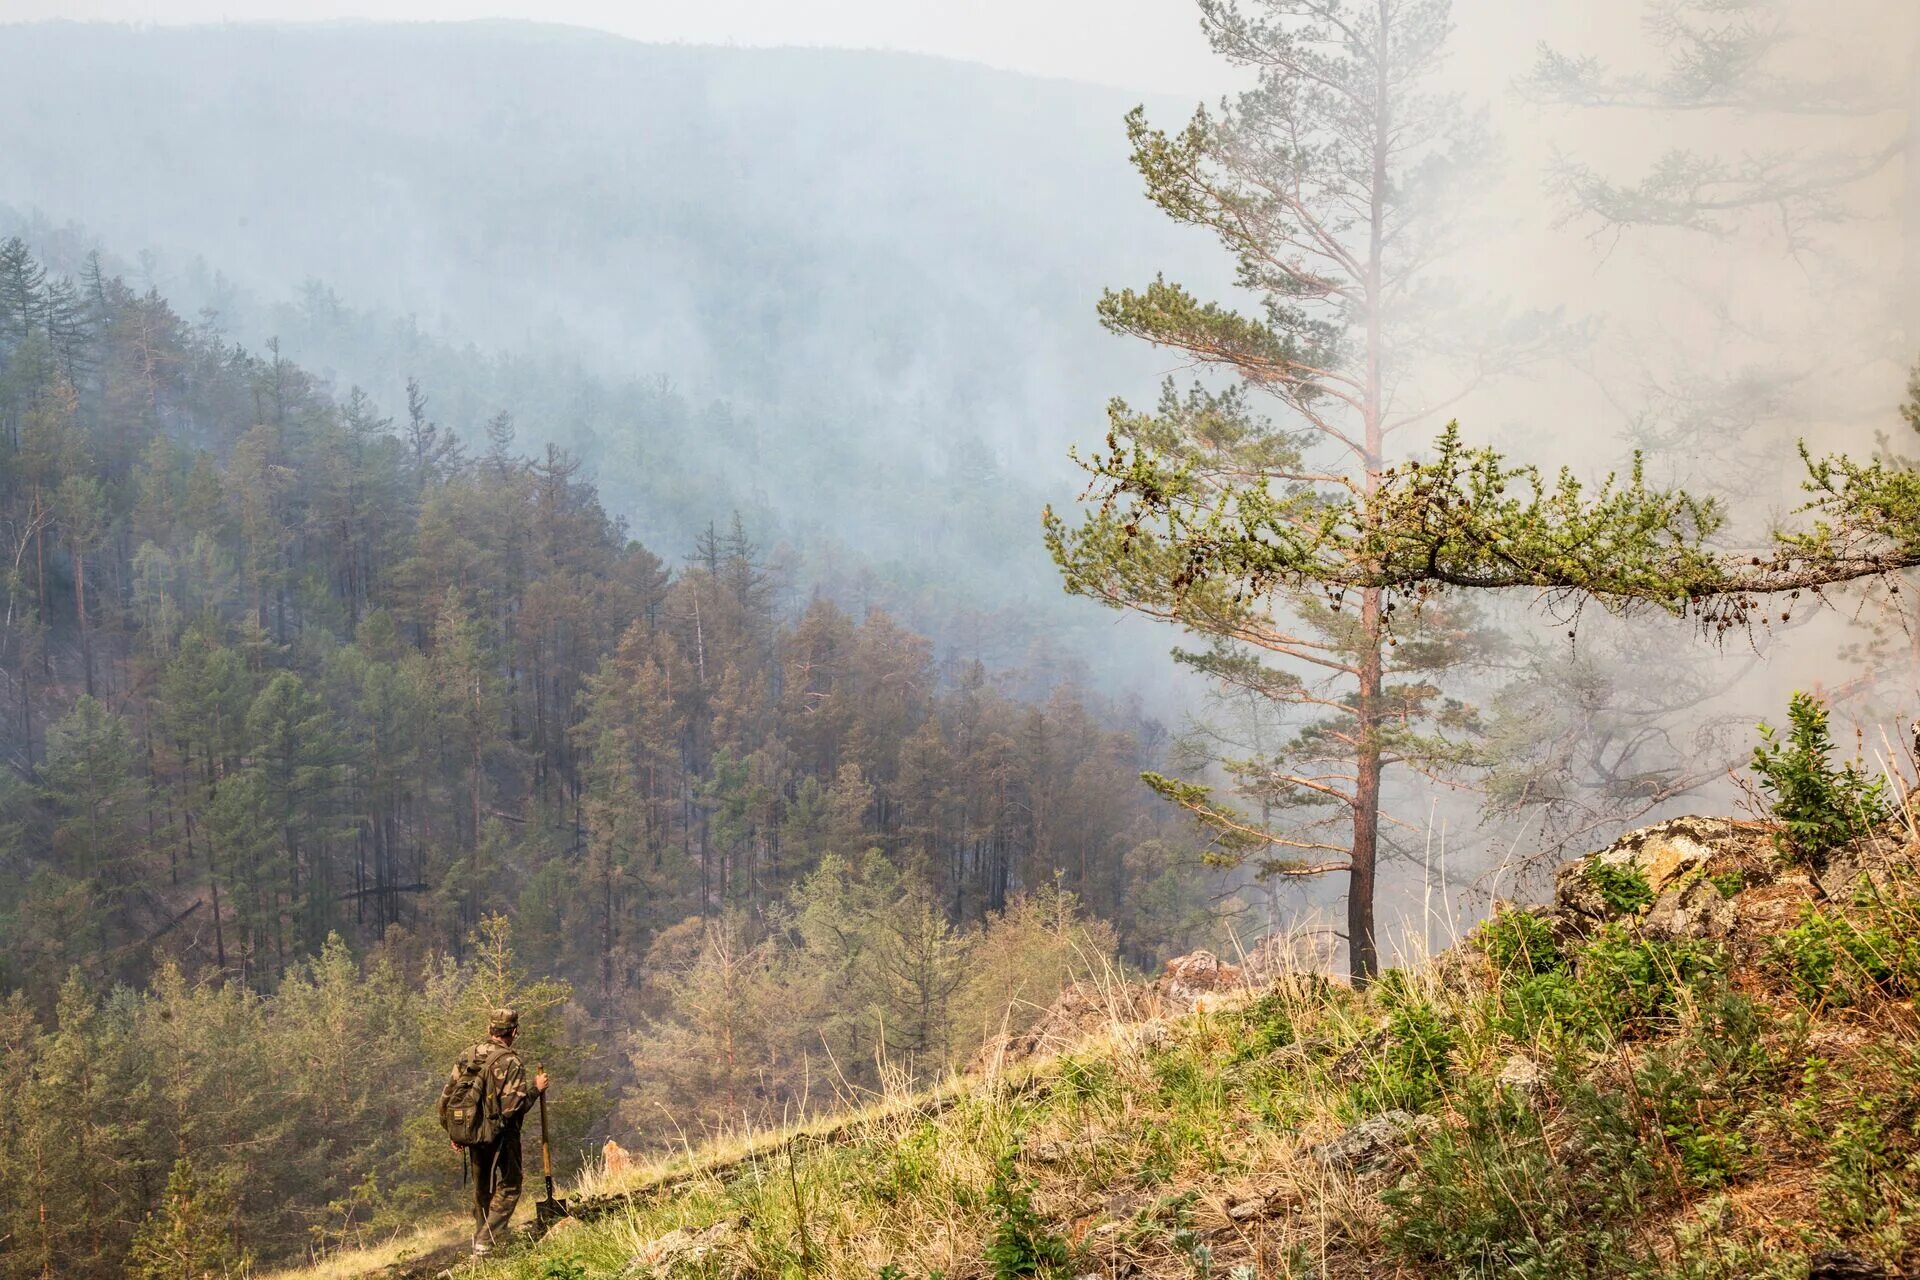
{"x":482,"y":1105}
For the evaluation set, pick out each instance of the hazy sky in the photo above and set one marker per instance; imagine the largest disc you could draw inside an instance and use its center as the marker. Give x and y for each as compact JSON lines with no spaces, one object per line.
{"x":1138,"y":44}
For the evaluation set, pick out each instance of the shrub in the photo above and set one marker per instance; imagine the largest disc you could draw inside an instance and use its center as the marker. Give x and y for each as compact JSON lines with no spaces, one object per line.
{"x":190,"y":1235}
{"x":1729,"y":883}
{"x":1519,"y":942}
{"x":1624,"y":889}
{"x":1818,"y":806}
{"x":1267,"y":1024}
{"x":1494,"y":1197}
{"x":1489,"y":1199}
{"x":1631,"y":981}
{"x":1842,"y":960}
{"x":1619,"y":983}
{"x":1410,"y":1070}
{"x":1543,"y":1006}
{"x":909,"y":1166}
{"x":1698,"y":1120}
{"x":1708,"y":1245}
{"x":1022,"y":1244}
{"x":1699,"y":1093}
{"x":1870,"y":1176}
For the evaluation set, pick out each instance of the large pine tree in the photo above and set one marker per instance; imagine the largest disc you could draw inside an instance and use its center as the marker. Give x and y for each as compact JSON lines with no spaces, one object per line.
{"x":1324,"y":183}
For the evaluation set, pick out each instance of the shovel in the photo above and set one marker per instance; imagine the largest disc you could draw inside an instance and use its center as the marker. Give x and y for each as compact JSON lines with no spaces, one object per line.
{"x":548,"y":1211}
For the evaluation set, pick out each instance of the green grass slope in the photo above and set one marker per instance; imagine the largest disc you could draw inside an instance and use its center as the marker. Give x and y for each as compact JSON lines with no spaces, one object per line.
{"x":1700,"y":1061}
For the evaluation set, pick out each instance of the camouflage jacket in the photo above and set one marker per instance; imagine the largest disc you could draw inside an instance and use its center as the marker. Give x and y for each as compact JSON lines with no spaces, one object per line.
{"x":511,"y":1087}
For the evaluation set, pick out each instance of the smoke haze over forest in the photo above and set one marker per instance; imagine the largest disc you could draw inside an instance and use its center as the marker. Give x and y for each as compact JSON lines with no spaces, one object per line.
{"x":732,"y":279}
{"x":818,"y":287}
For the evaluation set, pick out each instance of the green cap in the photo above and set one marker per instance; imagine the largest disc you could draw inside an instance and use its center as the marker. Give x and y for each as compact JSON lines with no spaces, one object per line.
{"x":503,"y":1021}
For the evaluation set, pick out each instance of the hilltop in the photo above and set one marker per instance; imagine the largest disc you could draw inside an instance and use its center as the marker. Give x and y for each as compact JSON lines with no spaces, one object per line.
{"x":1698,"y":1061}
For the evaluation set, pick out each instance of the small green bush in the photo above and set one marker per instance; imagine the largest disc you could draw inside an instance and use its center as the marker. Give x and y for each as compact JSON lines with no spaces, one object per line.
{"x":1835,"y":960}
{"x":908,"y":1167}
{"x":1410,"y":1071}
{"x":1698,"y":1119}
{"x":1632,"y":981}
{"x":1708,"y":1246}
{"x":1619,"y":983}
{"x":1266,"y":1025}
{"x":1867,"y":1180}
{"x":1490,"y":1199}
{"x":1623,"y":888}
{"x":1496,"y":1199}
{"x":1519,"y":942}
{"x":1818,"y":806}
{"x":1543,"y":1006}
{"x":1022,"y":1244}
{"x":1729,"y":883}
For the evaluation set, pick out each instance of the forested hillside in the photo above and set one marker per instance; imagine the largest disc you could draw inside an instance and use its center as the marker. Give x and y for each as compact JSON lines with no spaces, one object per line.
{"x":303,"y":697}
{"x":828,"y":288}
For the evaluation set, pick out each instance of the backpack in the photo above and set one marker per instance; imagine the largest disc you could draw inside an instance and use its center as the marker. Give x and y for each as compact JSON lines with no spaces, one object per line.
{"x":469,"y":1108}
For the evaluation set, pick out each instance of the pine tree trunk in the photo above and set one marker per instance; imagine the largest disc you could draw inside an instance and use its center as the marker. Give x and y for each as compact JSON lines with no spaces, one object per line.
{"x":1362,"y":947}
{"x":80,"y":609}
{"x":1363,"y":960}
{"x":606,"y":934}
{"x":46,"y":1230}
{"x":26,"y":709}
{"x":40,"y":586}
{"x":219,"y":933}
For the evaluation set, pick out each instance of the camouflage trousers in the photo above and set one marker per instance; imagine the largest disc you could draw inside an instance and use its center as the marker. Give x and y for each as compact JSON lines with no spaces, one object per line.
{"x":496,"y":1187}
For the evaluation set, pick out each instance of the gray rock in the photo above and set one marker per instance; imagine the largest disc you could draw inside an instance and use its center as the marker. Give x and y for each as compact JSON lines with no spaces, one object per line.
{"x":1374,"y":1144}
{"x":1662,"y":854}
{"x":1865,"y":864}
{"x":1694,"y":909}
{"x":682,"y":1248}
{"x":1522,"y":1076}
{"x":1844,"y":1264}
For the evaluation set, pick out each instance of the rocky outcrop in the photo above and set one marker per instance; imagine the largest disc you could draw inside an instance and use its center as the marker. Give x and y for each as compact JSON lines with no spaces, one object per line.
{"x":1195,"y":982}
{"x":1082,"y":1010}
{"x":1191,"y":981}
{"x":1695,"y":908}
{"x":1711,"y":878}
{"x":1656,"y":861}
{"x":1373,"y":1145}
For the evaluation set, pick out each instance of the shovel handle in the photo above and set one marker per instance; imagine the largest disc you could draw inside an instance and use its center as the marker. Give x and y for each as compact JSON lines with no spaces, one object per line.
{"x":546,"y":1155}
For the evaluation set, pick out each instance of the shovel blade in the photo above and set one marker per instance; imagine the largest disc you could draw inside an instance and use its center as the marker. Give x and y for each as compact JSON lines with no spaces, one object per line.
{"x":547,"y":1212}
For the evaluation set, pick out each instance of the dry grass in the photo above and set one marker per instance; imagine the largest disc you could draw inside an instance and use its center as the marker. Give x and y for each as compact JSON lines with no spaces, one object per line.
{"x":447,"y":1234}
